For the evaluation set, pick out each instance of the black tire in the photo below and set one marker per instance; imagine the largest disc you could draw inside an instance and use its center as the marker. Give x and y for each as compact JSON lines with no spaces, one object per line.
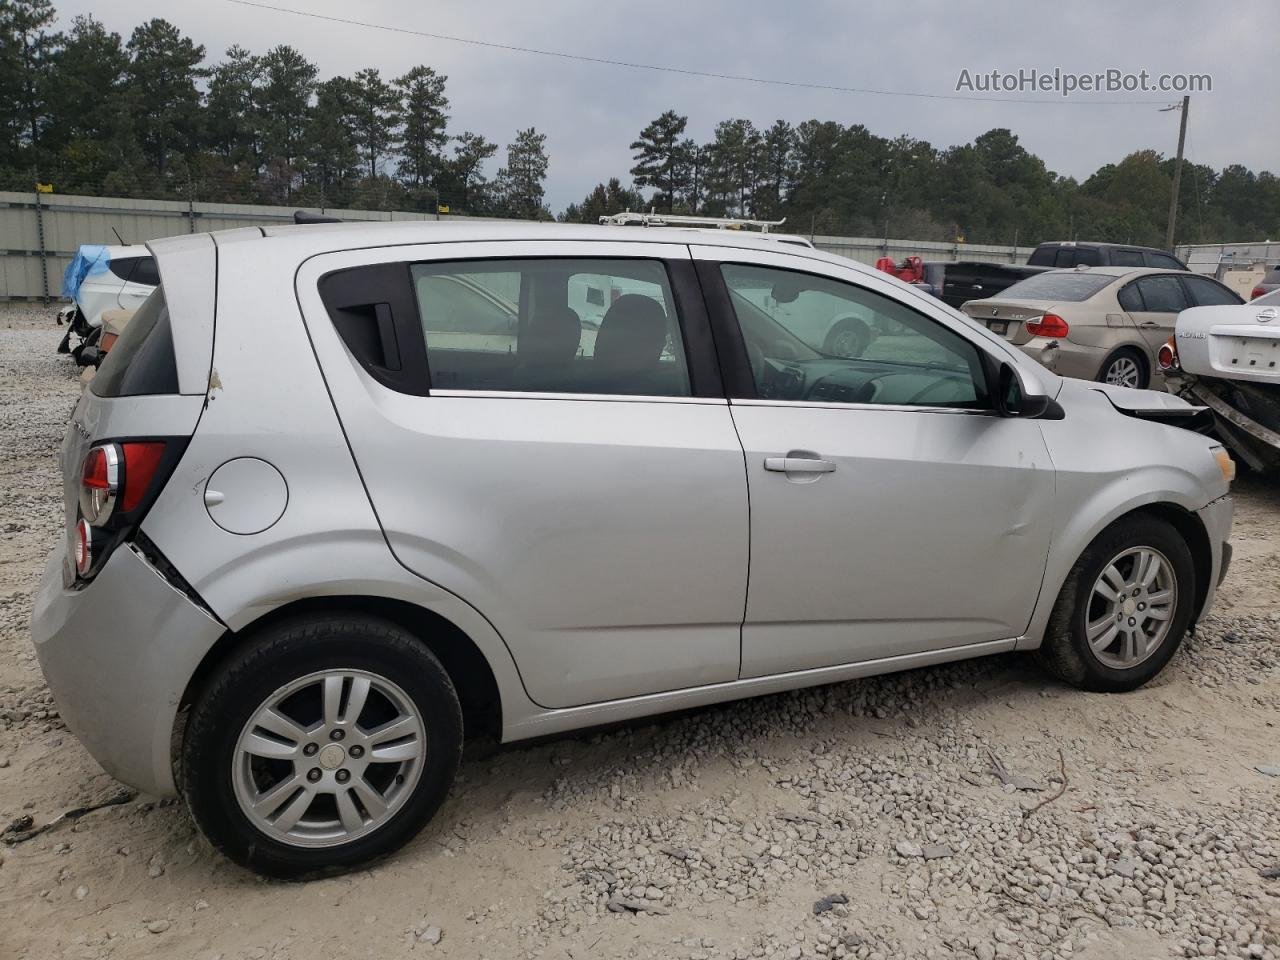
{"x":280,"y":654}
{"x":64,"y":345}
{"x":1065,"y":652}
{"x":1133,"y":355}
{"x":849,"y":338}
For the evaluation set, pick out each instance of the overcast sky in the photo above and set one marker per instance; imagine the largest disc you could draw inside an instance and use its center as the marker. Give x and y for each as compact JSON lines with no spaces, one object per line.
{"x":590,"y":112}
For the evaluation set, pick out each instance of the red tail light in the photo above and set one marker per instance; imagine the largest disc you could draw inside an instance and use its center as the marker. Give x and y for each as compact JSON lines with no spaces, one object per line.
{"x":84,"y":547}
{"x":117,"y":475}
{"x":1167,"y":356}
{"x":141,"y":461}
{"x":1050,"y":325}
{"x":1257,"y":292}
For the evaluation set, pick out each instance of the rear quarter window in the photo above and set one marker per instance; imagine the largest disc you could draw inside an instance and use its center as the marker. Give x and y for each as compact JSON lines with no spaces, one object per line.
{"x":1061,"y":285}
{"x":1042,"y":257}
{"x":142,"y":362}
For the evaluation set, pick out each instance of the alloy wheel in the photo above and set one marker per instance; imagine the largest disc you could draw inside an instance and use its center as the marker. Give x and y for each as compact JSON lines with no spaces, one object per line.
{"x":1130,"y":607}
{"x":329,"y":757}
{"x":1123,"y":372}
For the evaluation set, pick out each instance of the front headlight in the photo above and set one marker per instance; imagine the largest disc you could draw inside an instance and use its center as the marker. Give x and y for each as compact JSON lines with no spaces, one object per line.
{"x":1225,"y":463}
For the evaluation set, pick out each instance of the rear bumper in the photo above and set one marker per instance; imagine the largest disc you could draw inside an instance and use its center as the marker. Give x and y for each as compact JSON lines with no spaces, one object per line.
{"x":1216,"y":518}
{"x":118,"y":655}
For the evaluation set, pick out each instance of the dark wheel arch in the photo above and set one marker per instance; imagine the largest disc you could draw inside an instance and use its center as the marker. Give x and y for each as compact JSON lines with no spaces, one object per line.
{"x":472,"y":677}
{"x":1137,"y":354}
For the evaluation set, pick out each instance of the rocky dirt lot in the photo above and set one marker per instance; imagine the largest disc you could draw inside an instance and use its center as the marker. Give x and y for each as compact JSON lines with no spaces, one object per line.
{"x":857,"y":820}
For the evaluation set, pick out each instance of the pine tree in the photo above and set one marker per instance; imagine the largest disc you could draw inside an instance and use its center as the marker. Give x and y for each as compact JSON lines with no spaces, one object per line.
{"x":658,"y":158}
{"x":162,"y":90}
{"x":376,"y":115}
{"x":28,"y":47}
{"x":284,"y":104}
{"x":423,"y":107}
{"x":520,"y":182}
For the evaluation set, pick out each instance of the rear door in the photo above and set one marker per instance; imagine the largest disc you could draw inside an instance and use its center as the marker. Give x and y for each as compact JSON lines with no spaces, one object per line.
{"x":576,"y":479}
{"x":1160,"y":297}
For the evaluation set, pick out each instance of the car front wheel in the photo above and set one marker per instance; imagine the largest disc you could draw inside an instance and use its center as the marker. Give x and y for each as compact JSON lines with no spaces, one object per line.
{"x":1124,"y":608}
{"x":321,"y":745}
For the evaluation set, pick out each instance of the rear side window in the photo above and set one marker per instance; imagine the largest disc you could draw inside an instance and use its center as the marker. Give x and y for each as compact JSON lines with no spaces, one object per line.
{"x":1087,"y":256}
{"x":1126,"y":258}
{"x":123,"y":267}
{"x":1042,"y":257}
{"x":142,"y":361}
{"x":1163,"y":261}
{"x":552,"y":326}
{"x":1067,"y":286}
{"x":1066,"y":257}
{"x":1131,"y":299}
{"x":1206,"y":293}
{"x":1162,"y":294}
{"x":145,"y":272}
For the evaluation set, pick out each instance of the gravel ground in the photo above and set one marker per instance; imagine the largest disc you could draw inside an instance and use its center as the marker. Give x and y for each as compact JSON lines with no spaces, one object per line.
{"x":856,"y":820}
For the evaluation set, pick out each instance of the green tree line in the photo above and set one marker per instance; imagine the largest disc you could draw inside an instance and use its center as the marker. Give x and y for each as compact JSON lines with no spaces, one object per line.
{"x":152,"y":116}
{"x":827,"y":178}
{"x":91,"y":112}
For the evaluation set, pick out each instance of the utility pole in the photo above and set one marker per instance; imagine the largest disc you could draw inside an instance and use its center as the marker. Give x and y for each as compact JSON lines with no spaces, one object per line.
{"x":1177,"y":170}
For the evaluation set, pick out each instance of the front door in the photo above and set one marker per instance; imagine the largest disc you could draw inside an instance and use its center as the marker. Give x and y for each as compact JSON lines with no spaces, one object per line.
{"x":892,"y":512}
{"x":576,"y":478}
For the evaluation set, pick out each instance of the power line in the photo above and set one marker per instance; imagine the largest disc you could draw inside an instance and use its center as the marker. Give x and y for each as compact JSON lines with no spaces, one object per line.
{"x":683,"y":71}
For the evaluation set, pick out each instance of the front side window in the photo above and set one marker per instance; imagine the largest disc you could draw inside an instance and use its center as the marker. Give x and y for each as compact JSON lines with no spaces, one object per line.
{"x":552,"y":326}
{"x":1162,"y":294}
{"x":817,"y":339}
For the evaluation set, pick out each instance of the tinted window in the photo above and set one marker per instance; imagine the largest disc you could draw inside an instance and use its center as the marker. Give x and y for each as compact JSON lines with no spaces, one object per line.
{"x":123,"y":266}
{"x":145,"y":272}
{"x":1087,"y":256}
{"x":1042,"y":256}
{"x":1163,"y":261}
{"x":1207,"y":293}
{"x":1131,"y":298}
{"x":1126,"y":258}
{"x":1162,"y":294}
{"x":1066,"y":286}
{"x":552,"y":326}
{"x":142,"y":361}
{"x":1065,"y":258}
{"x":817,"y":339}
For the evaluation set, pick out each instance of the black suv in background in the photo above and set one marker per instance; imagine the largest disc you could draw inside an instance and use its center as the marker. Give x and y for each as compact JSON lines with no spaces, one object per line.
{"x":1068,"y":253}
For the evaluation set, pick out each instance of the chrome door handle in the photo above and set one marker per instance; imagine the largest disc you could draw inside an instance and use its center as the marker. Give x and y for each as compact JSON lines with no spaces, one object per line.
{"x":798,"y":465}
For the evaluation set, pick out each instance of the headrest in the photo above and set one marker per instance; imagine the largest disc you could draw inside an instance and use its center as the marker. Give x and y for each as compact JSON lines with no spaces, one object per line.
{"x":632,"y":333}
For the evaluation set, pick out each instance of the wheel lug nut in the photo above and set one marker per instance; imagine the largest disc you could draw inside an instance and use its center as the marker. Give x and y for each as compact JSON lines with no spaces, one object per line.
{"x":1142,"y":606}
{"x":342,"y":776}
{"x":310,"y":750}
{"x":337,"y":734}
{"x":313,"y":774}
{"x":356,"y":751}
{"x":1132,"y":622}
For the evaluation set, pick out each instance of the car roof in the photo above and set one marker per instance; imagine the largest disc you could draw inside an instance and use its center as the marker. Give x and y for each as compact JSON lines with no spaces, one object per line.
{"x":304,"y":240}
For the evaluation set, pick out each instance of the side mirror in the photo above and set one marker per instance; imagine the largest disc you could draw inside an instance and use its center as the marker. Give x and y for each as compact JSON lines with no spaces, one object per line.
{"x":1012,"y":400}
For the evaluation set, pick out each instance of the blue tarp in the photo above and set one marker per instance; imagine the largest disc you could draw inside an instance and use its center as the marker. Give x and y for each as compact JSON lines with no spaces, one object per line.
{"x":90,"y":259}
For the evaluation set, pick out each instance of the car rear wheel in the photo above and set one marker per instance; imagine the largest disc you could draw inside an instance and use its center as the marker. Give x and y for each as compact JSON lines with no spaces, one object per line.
{"x":1124,"y":608}
{"x":1125,"y":368}
{"x":324,"y":744}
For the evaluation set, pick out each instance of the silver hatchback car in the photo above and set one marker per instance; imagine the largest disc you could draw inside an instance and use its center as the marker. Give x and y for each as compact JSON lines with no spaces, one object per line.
{"x":342,"y":494}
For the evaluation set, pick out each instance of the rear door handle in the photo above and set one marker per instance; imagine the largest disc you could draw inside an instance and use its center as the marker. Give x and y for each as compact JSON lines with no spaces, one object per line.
{"x":798,"y":465}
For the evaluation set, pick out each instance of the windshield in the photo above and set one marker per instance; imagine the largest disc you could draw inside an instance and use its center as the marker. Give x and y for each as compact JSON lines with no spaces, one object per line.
{"x":1058,"y":285}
